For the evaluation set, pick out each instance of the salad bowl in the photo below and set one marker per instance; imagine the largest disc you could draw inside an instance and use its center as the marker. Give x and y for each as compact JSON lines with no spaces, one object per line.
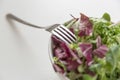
{"x":94,"y":56}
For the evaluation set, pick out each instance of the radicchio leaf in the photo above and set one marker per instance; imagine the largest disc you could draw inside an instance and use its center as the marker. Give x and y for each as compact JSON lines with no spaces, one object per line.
{"x":60,"y":54}
{"x":98,"y":42}
{"x":56,"y":40}
{"x":72,"y":65}
{"x":86,"y":49}
{"x":85,"y":26}
{"x":84,"y":46}
{"x":58,"y":68}
{"x":72,"y":30}
{"x":91,"y":73}
{"x":101,"y":51}
{"x":70,"y":52}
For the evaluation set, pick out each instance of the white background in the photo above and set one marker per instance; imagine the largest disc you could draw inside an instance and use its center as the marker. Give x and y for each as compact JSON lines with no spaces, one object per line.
{"x":24,"y":50}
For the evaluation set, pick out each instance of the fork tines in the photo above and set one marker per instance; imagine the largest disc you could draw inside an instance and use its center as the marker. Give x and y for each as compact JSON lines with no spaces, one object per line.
{"x":64,"y":34}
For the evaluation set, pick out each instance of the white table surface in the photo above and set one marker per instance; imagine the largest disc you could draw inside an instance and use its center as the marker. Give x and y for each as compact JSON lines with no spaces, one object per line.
{"x":24,"y":50}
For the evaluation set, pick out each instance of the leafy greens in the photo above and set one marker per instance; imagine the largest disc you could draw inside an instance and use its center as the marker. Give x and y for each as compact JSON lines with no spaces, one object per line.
{"x":96,"y":53}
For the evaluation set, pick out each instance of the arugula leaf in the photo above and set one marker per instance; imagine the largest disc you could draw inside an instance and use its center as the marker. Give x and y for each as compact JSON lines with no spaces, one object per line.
{"x":88,"y":77}
{"x":114,"y":34}
{"x":81,"y":68}
{"x":106,"y":16}
{"x":68,"y":22}
{"x":71,"y":22}
{"x":74,"y":76}
{"x":56,"y":60}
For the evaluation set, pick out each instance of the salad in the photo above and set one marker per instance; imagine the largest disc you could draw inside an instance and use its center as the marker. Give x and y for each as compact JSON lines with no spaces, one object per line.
{"x":96,"y":53}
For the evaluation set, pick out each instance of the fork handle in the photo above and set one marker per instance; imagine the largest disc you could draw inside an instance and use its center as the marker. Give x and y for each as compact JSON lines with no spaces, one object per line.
{"x":11,"y":16}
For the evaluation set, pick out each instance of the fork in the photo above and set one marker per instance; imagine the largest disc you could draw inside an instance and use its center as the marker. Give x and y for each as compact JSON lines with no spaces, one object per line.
{"x":58,"y":30}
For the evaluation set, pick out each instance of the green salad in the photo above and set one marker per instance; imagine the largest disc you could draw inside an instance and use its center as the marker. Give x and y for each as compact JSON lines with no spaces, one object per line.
{"x":96,"y":53}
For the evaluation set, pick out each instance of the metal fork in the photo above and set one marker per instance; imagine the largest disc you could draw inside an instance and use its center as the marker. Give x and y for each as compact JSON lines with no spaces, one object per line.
{"x":58,"y":30}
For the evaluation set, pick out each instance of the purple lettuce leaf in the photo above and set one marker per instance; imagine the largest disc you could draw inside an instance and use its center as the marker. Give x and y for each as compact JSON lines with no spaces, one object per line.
{"x":101,"y":51}
{"x":98,"y":42}
{"x":58,"y":68}
{"x":72,"y":30}
{"x":86,"y":49}
{"x":72,"y":65}
{"x":56,"y":40}
{"x":70,"y":52}
{"x":65,"y":55}
{"x":60,"y":54}
{"x":91,"y":73}
{"x":85,"y":26}
{"x":84,"y":46}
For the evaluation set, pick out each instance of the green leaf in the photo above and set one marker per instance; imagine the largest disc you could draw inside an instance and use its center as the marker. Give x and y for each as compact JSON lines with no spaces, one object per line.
{"x":72,"y":23}
{"x":113,"y":61}
{"x":56,"y":60}
{"x":81,"y":68}
{"x":104,"y":77}
{"x":68,"y":22}
{"x":88,"y":77}
{"x":73,"y":76}
{"x":95,"y":67}
{"x":106,"y":16}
